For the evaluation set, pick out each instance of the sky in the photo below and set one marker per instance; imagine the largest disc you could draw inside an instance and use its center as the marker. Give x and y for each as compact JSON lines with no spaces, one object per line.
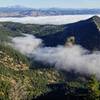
{"x":52,"y":3}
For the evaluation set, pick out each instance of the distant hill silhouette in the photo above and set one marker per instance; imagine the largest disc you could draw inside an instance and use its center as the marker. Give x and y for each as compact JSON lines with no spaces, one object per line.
{"x":86,"y":33}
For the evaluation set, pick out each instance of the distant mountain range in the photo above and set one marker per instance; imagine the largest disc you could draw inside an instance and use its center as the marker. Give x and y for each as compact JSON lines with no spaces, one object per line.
{"x":18,"y":11}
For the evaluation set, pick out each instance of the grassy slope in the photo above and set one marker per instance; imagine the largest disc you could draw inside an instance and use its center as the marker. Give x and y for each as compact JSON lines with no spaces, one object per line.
{"x":17,"y":81}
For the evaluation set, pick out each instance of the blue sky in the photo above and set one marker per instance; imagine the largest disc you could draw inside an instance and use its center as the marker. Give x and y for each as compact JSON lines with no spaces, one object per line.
{"x":53,"y":3}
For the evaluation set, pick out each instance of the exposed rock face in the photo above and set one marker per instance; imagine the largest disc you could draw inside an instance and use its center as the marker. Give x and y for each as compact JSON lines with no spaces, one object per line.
{"x":70,"y":41}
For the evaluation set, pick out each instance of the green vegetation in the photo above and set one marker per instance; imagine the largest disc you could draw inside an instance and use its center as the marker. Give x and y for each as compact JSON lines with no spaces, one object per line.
{"x":17,"y":81}
{"x":31,"y":83}
{"x":20,"y":82}
{"x":15,"y":29}
{"x":94,"y":88}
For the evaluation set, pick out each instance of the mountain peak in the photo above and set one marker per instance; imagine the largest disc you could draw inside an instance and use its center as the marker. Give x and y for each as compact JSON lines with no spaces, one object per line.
{"x":95,"y":17}
{"x":96,"y":20}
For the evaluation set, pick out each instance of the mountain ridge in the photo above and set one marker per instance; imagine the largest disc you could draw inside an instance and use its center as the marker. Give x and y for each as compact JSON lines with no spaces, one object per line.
{"x":86,"y":33}
{"x":19,"y":11}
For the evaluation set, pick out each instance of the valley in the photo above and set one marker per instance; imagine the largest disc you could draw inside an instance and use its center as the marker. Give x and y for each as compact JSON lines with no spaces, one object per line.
{"x":35,"y":76}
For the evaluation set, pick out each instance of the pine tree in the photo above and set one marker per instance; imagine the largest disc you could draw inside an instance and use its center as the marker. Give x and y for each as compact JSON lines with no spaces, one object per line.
{"x":93,"y":88}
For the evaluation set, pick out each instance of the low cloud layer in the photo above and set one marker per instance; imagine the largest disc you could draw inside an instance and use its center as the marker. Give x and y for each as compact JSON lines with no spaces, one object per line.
{"x":56,"y":20}
{"x":26,"y":44}
{"x":68,"y":58}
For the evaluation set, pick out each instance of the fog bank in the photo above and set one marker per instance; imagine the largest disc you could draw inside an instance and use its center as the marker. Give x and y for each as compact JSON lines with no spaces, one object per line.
{"x":62,"y":57}
{"x":26,"y":44}
{"x":56,"y":20}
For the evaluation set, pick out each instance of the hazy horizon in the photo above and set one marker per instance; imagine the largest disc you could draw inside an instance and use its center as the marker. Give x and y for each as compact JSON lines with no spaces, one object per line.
{"x":46,"y":7}
{"x":52,"y":3}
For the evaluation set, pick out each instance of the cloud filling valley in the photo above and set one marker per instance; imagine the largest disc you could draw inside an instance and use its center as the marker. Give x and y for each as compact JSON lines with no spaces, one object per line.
{"x":62,"y":57}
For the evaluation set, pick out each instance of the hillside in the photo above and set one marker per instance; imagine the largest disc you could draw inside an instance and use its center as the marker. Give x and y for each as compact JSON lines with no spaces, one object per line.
{"x":16,"y":77}
{"x":86,"y":34}
{"x":15,"y":29}
{"x":17,"y":81}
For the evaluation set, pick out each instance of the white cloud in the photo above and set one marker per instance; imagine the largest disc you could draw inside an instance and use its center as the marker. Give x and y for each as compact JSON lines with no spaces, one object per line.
{"x":56,"y":20}
{"x":68,"y":58}
{"x":26,"y":44}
